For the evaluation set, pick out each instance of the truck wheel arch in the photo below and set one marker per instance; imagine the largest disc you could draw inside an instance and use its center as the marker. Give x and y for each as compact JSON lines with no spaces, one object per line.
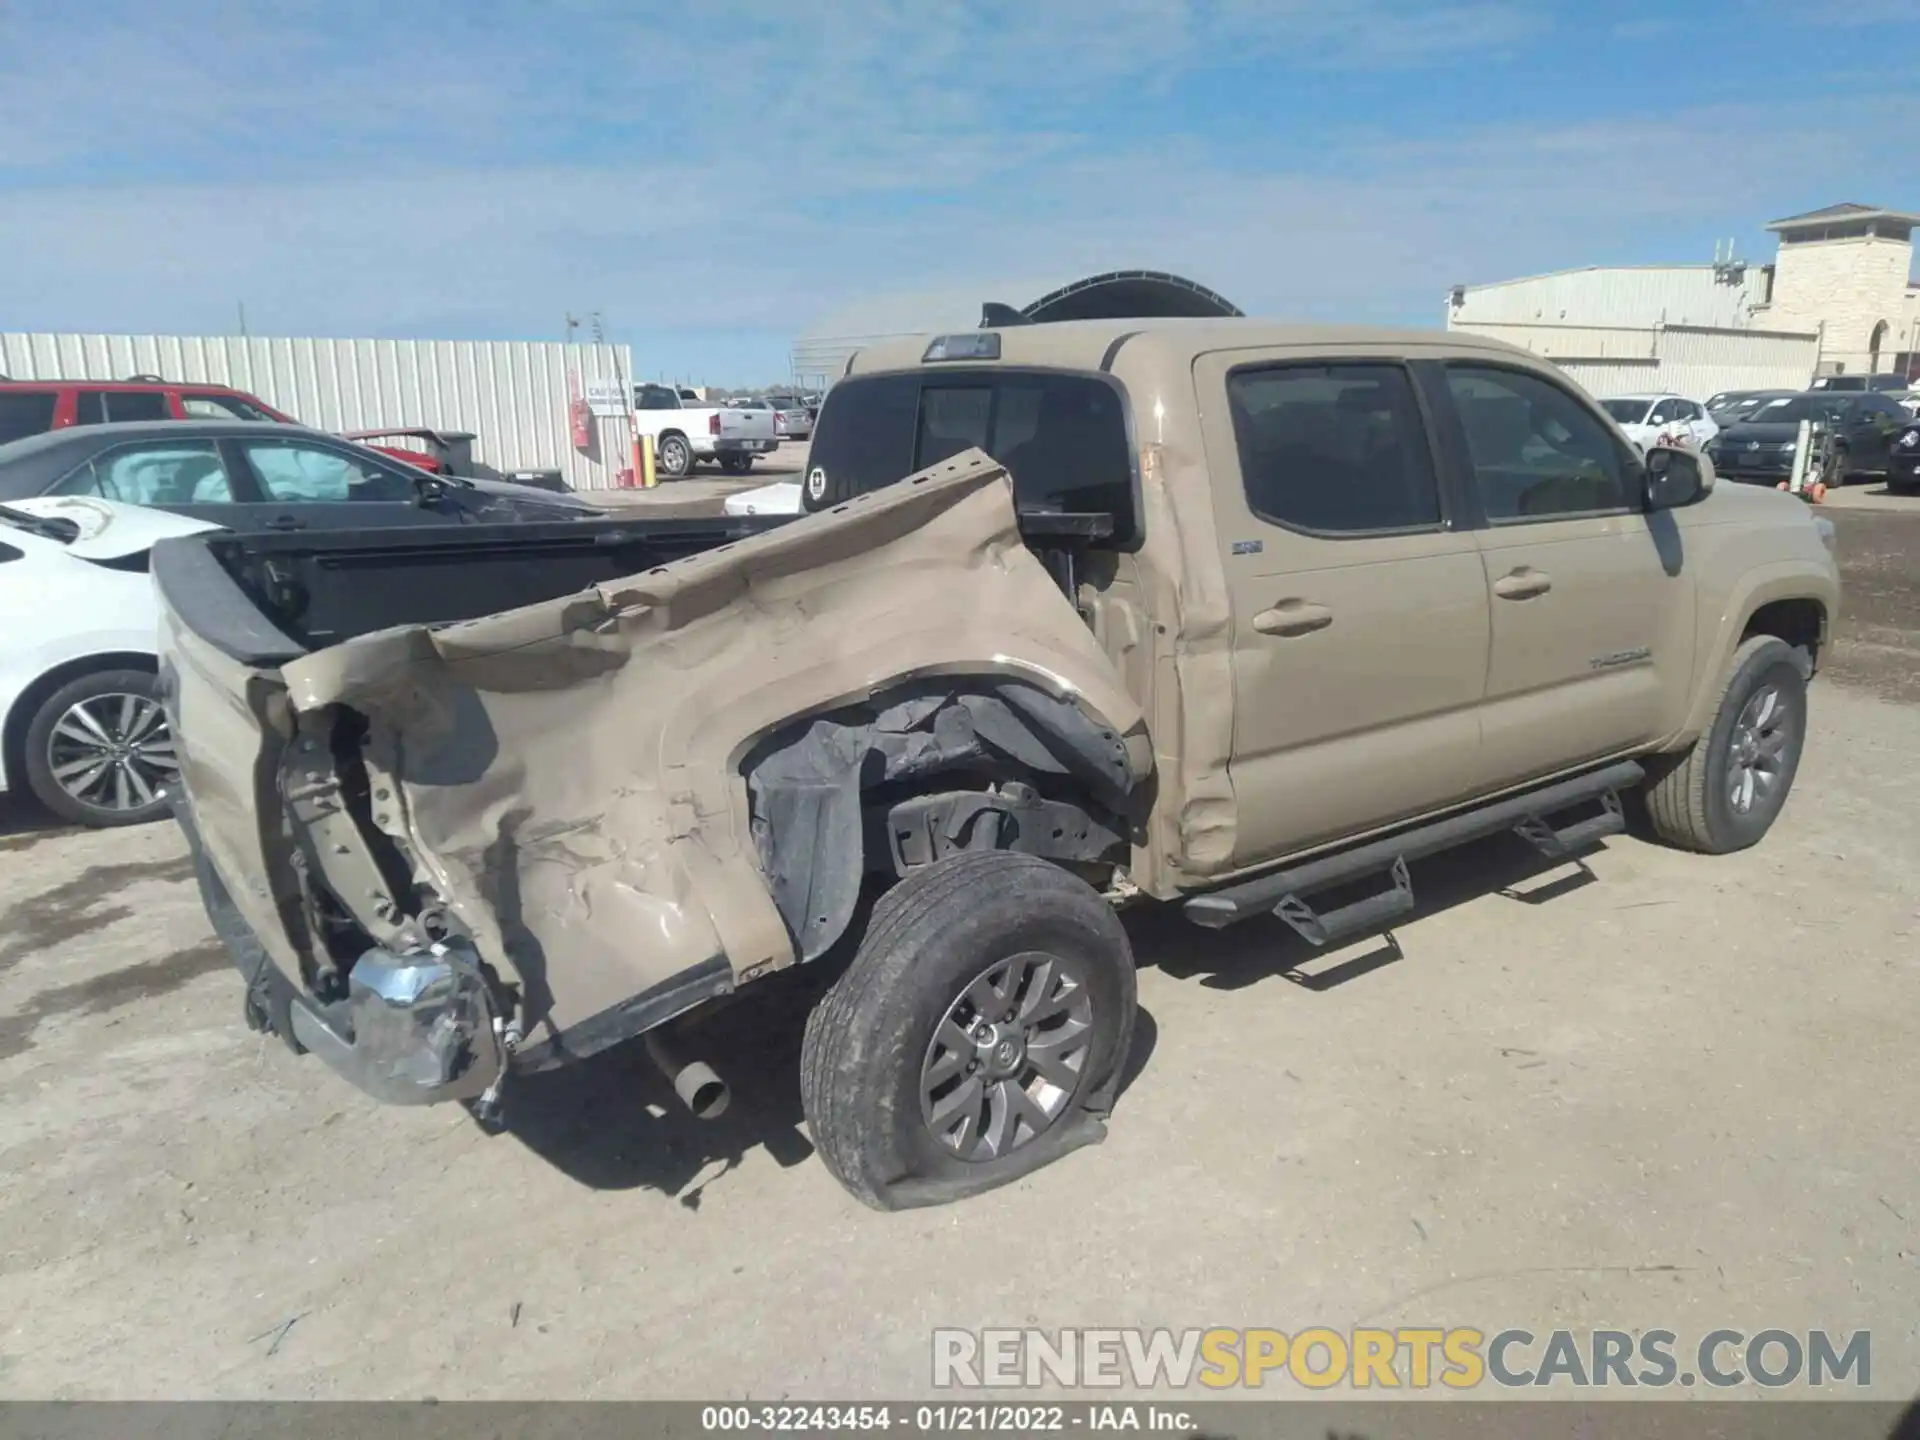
{"x":946,"y":751}
{"x":1782,"y":606}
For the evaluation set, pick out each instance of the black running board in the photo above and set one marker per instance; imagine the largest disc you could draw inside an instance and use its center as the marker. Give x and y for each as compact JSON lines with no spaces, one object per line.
{"x":1281,"y":892}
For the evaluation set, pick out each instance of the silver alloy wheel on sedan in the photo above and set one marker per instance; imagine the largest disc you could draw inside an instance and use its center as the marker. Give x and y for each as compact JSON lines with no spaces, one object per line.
{"x":1761,"y":735}
{"x":1007,"y":1057}
{"x":113,"y":752}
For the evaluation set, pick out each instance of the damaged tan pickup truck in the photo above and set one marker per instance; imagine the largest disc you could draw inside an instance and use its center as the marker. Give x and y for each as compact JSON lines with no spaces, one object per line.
{"x":1243,"y":618}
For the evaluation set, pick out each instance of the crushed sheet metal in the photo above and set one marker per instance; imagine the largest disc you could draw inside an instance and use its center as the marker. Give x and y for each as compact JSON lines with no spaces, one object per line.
{"x":569,"y":772}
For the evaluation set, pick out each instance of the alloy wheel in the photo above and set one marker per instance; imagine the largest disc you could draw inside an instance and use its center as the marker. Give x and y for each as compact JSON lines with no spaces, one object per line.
{"x":113,"y":752}
{"x":1756,"y":768}
{"x":1007,"y":1057}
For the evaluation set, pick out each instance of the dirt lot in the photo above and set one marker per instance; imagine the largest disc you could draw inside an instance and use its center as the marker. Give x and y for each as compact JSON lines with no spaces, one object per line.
{"x":1669,"y":1092}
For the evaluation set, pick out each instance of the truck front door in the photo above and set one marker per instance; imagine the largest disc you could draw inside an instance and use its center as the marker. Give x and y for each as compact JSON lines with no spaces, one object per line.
{"x":1591,"y":598}
{"x":1360,"y":611}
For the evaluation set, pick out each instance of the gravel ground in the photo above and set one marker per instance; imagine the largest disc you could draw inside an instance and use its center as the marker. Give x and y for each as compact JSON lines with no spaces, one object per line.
{"x":1660,"y":1091}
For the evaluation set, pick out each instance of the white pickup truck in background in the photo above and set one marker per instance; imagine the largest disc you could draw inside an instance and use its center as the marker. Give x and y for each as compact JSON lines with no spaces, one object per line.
{"x":685,"y":434}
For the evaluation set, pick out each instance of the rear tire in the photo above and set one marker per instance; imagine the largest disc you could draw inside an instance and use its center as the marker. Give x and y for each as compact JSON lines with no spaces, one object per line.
{"x":99,"y":753}
{"x":675,"y":456}
{"x":1724,"y":791}
{"x":737,"y":464}
{"x":988,"y":1010}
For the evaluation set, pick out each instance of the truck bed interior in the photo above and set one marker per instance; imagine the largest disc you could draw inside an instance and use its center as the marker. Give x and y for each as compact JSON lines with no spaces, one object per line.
{"x":304,"y":590}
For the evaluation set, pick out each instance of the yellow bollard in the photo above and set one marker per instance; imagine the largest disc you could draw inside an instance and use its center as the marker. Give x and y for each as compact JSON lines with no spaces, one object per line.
{"x":649,"y":477}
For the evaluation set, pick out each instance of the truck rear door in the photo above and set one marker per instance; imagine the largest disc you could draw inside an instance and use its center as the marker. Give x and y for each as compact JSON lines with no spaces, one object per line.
{"x":1360,"y":610}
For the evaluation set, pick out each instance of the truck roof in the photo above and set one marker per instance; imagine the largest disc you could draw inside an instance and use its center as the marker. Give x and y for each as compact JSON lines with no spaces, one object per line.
{"x":1093,"y":344}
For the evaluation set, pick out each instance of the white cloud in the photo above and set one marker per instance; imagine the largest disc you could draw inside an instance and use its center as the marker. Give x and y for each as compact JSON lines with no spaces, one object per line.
{"x":742,"y":167}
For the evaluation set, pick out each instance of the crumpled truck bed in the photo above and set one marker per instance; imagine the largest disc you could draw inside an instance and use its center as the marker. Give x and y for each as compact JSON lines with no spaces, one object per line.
{"x":567,"y":776}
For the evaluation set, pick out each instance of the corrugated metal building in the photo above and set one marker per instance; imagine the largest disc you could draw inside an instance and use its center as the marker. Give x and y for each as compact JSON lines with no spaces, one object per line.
{"x":1691,"y":360}
{"x":1688,"y":329}
{"x":1630,"y":295}
{"x":513,"y":394}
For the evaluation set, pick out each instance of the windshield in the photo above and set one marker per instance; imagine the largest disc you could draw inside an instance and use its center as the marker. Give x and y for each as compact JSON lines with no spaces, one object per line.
{"x":1627,"y":412}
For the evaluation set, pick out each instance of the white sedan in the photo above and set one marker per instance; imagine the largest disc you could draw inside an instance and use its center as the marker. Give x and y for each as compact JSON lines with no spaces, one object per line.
{"x":1651,"y":418}
{"x":84,"y":728}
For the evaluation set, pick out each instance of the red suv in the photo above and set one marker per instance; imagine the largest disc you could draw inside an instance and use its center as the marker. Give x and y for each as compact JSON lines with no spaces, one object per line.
{"x":30,"y":407}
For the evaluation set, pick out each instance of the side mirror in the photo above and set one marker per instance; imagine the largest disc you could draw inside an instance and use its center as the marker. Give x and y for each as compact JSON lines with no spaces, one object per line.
{"x":1675,"y":477}
{"x":429,"y":490}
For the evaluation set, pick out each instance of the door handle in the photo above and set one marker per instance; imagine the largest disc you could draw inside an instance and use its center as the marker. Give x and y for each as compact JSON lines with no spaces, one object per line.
{"x":1293,"y":617}
{"x":286,"y":522}
{"x":1523,"y":584}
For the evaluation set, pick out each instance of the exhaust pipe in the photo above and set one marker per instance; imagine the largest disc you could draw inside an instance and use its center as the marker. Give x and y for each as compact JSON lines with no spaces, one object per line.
{"x":703,"y":1092}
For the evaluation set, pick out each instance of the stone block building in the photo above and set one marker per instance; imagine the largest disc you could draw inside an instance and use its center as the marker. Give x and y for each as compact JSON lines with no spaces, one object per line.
{"x":1847,"y":272}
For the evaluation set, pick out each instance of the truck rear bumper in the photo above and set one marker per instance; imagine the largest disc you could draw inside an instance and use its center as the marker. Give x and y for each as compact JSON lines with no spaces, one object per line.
{"x":411,"y":1029}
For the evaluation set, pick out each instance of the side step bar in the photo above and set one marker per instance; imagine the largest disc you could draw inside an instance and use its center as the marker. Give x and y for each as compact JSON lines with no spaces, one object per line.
{"x":1279,"y":893}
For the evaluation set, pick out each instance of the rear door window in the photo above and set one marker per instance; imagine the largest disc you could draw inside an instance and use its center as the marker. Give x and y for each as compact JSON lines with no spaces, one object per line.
{"x":126,"y":405}
{"x":1334,"y":449}
{"x":294,"y":472}
{"x":154,"y":474}
{"x":26,"y":412}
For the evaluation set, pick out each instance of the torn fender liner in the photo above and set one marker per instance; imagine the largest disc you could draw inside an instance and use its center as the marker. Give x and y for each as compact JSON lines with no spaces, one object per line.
{"x":568,"y":776}
{"x":808,"y":825}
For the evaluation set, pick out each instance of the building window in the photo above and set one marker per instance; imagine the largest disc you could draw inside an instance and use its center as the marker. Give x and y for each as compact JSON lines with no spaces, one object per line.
{"x":1873,"y":347}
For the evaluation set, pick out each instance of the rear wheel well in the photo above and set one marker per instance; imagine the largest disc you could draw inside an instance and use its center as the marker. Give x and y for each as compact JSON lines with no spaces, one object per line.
{"x":13,"y":741}
{"x":1801,"y":623}
{"x":924,"y":770}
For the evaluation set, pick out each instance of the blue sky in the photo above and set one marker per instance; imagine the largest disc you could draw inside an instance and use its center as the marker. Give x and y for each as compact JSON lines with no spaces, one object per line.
{"x":715,"y":177}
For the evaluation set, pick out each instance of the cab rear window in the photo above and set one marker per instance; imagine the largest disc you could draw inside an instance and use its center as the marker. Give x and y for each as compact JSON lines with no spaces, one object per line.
{"x":1063,"y":437}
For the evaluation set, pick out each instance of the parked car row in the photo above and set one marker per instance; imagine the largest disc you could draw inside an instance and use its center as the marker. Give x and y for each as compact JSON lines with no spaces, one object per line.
{"x":33,"y":407}
{"x":1863,"y":433}
{"x":1864,"y":428}
{"x":80,"y":507}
